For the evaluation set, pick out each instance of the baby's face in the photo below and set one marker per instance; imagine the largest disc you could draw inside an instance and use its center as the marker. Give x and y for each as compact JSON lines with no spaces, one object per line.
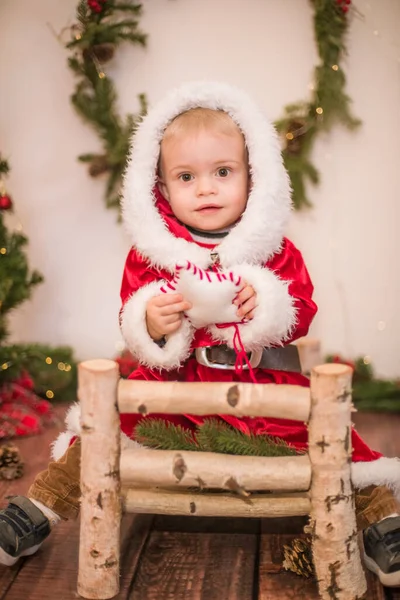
{"x":204,"y":176}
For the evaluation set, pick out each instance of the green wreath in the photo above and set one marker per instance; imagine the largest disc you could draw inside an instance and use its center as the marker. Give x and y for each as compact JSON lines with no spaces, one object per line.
{"x":102,"y":25}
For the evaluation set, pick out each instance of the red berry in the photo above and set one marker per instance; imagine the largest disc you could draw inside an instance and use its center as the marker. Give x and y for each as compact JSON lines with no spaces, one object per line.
{"x":348,"y":1}
{"x":5,"y":202}
{"x":345,"y":9}
{"x":339,"y":1}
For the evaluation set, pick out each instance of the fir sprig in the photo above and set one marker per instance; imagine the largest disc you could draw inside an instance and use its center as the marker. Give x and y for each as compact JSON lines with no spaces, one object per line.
{"x":217,"y":436}
{"x":329,"y":103}
{"x":211,"y":436}
{"x":94,"y":40}
{"x":161,"y":435}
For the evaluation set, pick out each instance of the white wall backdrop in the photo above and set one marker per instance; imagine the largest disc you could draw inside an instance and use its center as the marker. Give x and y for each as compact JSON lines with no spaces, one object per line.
{"x":349,"y":239}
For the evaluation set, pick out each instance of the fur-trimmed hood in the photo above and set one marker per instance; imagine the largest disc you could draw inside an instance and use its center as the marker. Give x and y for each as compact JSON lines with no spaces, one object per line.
{"x":258,"y":235}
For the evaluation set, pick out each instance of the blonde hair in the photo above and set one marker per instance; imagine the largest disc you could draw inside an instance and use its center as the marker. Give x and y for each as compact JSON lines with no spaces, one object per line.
{"x":196,"y":119}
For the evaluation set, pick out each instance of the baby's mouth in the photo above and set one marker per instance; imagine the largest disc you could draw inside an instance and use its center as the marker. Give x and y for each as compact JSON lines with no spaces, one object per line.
{"x":208,"y":208}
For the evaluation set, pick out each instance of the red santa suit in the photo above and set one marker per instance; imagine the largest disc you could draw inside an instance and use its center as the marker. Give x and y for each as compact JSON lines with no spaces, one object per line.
{"x":255,"y":249}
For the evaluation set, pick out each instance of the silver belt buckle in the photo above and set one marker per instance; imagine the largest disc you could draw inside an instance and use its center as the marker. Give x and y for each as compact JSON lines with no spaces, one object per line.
{"x":202,"y":359}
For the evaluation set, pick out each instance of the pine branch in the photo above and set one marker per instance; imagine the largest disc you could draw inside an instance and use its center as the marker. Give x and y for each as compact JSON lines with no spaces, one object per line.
{"x":329,"y":104}
{"x":95,"y":97}
{"x":158,"y":434}
{"x":211,"y":436}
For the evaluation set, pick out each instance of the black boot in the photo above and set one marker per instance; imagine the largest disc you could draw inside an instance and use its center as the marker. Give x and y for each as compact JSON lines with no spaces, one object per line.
{"x":382,"y":550}
{"x":23,"y":527}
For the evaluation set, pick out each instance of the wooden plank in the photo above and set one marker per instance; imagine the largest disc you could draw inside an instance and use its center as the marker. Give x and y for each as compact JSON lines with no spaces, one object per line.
{"x":52,"y":572}
{"x":206,"y":524}
{"x":276,"y":582}
{"x":196,"y":566}
{"x":35,"y":452}
{"x":273,"y":580}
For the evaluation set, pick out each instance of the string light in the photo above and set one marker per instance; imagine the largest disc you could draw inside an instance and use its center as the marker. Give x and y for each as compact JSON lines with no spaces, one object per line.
{"x":5,"y":366}
{"x":61,"y":366}
{"x":319,"y":110}
{"x":49,"y":360}
{"x":78,"y":36}
{"x":367,"y":360}
{"x":67,"y":367}
{"x":335,"y":67}
{"x":3,"y":250}
{"x":50,"y":394}
{"x":289,"y":136}
{"x":101,"y":75}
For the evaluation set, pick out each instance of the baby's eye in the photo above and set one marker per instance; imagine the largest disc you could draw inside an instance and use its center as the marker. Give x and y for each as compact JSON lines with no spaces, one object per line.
{"x":223,"y":172}
{"x":186,"y":177}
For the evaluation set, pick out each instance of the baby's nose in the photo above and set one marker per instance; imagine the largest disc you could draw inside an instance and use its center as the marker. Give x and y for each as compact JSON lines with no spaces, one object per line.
{"x":205,"y":185}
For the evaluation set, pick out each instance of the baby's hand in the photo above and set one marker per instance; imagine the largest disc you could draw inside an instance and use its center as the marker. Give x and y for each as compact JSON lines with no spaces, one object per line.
{"x":164,"y":314}
{"x":246,"y":300}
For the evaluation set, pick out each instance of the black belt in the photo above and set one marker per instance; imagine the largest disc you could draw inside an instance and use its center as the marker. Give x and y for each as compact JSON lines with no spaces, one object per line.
{"x":284,"y":358}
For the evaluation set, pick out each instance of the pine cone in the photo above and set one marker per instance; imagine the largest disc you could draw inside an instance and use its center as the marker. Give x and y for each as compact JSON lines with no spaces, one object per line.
{"x":102,"y":52}
{"x":298,"y":558}
{"x":11,"y":465}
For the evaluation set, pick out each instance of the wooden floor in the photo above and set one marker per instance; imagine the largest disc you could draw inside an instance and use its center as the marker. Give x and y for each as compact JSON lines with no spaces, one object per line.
{"x":176,"y":558}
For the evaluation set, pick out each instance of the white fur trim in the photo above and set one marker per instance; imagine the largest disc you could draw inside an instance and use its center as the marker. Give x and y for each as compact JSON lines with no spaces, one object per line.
{"x":259,"y":233}
{"x":61,"y":445}
{"x":72,"y":422}
{"x":73,"y":428}
{"x":383,"y":471}
{"x":134,"y":331}
{"x":274,"y":316}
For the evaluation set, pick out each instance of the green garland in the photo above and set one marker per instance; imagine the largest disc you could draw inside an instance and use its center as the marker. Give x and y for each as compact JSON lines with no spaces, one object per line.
{"x":211,"y":436}
{"x":329,"y":103}
{"x":102,"y":26}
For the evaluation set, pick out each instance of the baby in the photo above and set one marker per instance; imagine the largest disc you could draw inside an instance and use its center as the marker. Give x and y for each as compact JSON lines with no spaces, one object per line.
{"x":211,"y":291}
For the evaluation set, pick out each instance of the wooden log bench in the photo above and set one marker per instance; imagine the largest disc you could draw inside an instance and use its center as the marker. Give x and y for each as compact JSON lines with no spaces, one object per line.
{"x":161,"y":482}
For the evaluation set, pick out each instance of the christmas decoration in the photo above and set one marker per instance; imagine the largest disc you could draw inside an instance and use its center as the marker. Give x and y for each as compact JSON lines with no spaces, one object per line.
{"x":29,"y":373}
{"x":11,"y":465}
{"x":329,"y":103}
{"x":211,"y":436}
{"x":22,"y":411}
{"x":5,"y":202}
{"x":298,"y":557}
{"x":370,"y":393}
{"x":102,"y":26}
{"x":16,"y":281}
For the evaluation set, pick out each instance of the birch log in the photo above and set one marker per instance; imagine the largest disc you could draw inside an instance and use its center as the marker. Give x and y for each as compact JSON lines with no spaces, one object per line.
{"x":309,"y":353}
{"x":333,"y":523}
{"x":206,"y":398}
{"x":163,"y":502}
{"x":98,"y":576}
{"x":164,"y":468}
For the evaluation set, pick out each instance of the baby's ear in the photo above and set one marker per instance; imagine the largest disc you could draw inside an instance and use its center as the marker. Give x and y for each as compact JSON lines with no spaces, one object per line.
{"x":162,"y":187}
